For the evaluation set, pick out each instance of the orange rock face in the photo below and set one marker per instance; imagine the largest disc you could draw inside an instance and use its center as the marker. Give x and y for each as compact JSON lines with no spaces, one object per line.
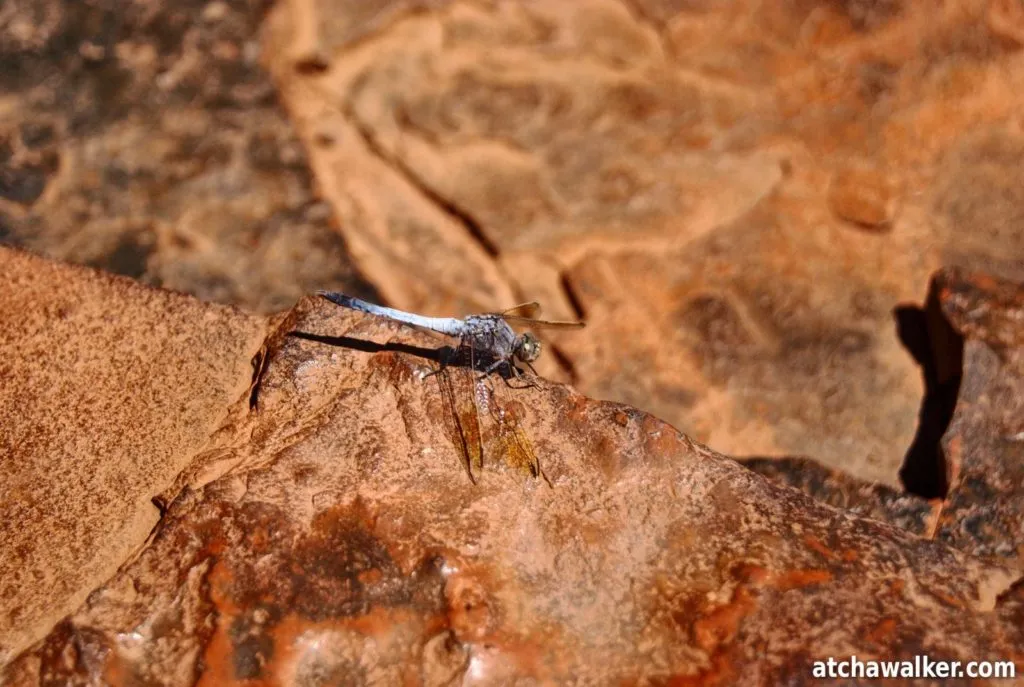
{"x":109,"y":389}
{"x":330,"y":533}
{"x":981,"y":451}
{"x":864,"y":197}
{"x":736,"y":196}
{"x":746,"y":201}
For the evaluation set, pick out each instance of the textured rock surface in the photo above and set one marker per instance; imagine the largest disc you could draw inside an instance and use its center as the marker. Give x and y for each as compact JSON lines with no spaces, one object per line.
{"x":984,"y":447}
{"x":107,"y":390}
{"x":331,"y":534}
{"x":745,"y":200}
{"x":969,"y":447}
{"x":865,"y":499}
{"x":735,"y":195}
{"x":145,"y":139}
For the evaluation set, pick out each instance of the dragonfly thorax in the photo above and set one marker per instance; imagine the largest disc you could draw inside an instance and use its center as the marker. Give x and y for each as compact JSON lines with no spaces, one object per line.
{"x":527,"y":347}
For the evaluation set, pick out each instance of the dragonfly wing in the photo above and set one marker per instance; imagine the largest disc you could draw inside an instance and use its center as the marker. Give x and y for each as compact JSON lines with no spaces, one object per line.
{"x":531,"y":309}
{"x":516,"y":447}
{"x":462,"y":421}
{"x":542,"y":324}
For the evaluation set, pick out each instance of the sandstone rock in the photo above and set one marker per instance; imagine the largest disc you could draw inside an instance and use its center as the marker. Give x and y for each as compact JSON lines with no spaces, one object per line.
{"x":147,"y":140}
{"x":984,"y":446}
{"x":865,"y":499}
{"x":863,"y":196}
{"x":684,"y":176}
{"x":968,"y":451}
{"x":107,"y":391}
{"x":645,"y":164}
{"x":331,"y":534}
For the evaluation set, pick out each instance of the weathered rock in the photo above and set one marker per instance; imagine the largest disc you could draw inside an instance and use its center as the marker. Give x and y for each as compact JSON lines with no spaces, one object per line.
{"x":968,"y":451}
{"x":864,"y":499}
{"x":863,"y":196}
{"x":984,"y":446}
{"x":333,"y":535}
{"x":146,"y":139}
{"x":690,"y":177}
{"x":107,"y":391}
{"x":687,"y":181}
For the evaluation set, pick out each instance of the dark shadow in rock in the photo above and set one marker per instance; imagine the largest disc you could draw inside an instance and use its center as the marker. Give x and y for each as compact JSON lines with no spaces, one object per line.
{"x":6,"y":229}
{"x":443,"y":355}
{"x":939,"y":350}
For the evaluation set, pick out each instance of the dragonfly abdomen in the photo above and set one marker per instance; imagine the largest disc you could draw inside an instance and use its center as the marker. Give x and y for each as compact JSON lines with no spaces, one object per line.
{"x":443,"y":325}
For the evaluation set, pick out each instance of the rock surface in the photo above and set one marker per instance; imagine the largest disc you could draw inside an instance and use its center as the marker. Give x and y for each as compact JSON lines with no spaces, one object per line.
{"x":745,"y":201}
{"x":865,"y":499}
{"x":328,"y":532}
{"x":736,"y":196}
{"x":983,"y":450}
{"x":107,"y":391}
{"x":969,"y":447}
{"x":145,"y":139}
{"x":695,"y":179}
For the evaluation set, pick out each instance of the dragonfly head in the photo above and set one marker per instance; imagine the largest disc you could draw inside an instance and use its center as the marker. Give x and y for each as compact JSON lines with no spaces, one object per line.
{"x":527,"y":347}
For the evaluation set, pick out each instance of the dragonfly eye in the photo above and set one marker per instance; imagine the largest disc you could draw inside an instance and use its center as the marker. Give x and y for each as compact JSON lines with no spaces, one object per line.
{"x":528,"y":348}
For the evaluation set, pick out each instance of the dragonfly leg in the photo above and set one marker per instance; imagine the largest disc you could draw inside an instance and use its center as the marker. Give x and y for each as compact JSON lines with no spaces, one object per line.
{"x":519,"y":374}
{"x":434,"y":372}
{"x":515,"y":372}
{"x":492,"y":367}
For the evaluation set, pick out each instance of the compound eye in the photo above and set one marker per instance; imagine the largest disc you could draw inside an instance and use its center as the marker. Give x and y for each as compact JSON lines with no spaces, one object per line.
{"x":529,"y":348}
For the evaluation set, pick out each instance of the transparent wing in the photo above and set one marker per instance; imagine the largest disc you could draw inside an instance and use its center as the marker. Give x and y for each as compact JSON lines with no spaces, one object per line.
{"x":542,"y":324}
{"x":462,"y":420}
{"x":531,"y":309}
{"x":517,"y":450}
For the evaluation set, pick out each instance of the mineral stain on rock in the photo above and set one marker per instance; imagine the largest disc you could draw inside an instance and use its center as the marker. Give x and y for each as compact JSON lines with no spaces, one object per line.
{"x":280,"y":600}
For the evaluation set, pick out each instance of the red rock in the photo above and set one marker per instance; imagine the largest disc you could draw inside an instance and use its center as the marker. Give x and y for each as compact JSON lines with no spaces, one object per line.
{"x":662,"y":168}
{"x":149,"y":142}
{"x":969,"y":445}
{"x":907,"y":511}
{"x":332,"y":533}
{"x":593,"y":153}
{"x":984,"y":445}
{"x":865,"y":197}
{"x":673,"y":171}
{"x":109,"y":389}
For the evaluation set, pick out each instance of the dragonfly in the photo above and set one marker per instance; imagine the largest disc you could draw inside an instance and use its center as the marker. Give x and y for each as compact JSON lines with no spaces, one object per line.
{"x":490,"y":344}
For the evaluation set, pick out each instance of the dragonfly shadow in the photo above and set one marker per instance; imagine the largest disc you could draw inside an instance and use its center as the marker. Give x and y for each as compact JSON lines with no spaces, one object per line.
{"x":444,"y":356}
{"x":441,"y":355}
